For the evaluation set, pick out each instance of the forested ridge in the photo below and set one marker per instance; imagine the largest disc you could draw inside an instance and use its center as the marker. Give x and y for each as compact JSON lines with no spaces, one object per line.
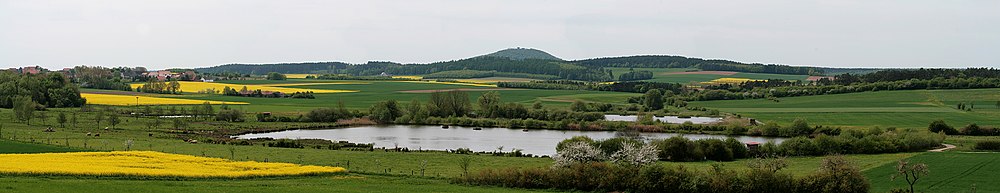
{"x":519,"y":60}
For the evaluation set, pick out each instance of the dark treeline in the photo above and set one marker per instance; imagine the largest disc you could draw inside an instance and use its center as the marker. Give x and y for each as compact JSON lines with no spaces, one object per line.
{"x":563,"y":70}
{"x":484,"y":74}
{"x":285,"y":68}
{"x":107,"y":78}
{"x":685,"y":62}
{"x":635,"y":75}
{"x":636,"y":87}
{"x":912,"y":74}
{"x":47,"y":89}
{"x":750,"y":92}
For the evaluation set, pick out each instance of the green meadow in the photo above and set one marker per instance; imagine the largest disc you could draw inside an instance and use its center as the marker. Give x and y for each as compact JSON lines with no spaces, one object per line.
{"x":664,"y":75}
{"x":905,"y":109}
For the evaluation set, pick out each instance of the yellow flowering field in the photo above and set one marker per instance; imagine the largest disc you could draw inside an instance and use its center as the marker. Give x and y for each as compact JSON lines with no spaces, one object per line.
{"x":149,"y":164}
{"x":187,"y":86}
{"x":409,"y":77}
{"x":124,"y":100}
{"x":313,"y":83}
{"x":730,"y":80}
{"x":455,"y":83}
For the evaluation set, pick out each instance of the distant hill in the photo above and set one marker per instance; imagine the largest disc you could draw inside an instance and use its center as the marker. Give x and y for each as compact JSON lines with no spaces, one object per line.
{"x":286,"y":68}
{"x":524,"y":62}
{"x":523,"y":53}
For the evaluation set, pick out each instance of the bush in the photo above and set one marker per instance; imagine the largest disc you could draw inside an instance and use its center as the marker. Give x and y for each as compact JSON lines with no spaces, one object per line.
{"x":835,"y":175}
{"x":939,"y":126}
{"x":991,"y":145}
{"x":231,"y":115}
{"x":678,"y":148}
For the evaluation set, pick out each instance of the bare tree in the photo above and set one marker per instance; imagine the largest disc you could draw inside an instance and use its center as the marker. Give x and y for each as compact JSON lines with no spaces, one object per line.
{"x":910,"y":172}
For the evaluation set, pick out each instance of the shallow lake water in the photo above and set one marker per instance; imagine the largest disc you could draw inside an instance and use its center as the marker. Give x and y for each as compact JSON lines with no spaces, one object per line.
{"x":538,"y":142}
{"x":666,"y":119}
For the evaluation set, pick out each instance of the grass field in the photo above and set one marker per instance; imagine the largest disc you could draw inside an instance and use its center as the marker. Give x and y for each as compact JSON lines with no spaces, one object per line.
{"x":663,"y":75}
{"x":8,"y":146}
{"x":370,"y":92}
{"x":949,"y":172}
{"x":907,"y":109}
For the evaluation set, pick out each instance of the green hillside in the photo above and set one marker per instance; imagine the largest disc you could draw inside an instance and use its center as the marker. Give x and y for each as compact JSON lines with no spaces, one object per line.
{"x":523,"y":53}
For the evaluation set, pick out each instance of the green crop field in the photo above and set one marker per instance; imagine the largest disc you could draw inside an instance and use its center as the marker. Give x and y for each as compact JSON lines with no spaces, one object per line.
{"x":908,"y":109}
{"x":371,"y":92}
{"x":663,"y":75}
{"x":949,"y":172}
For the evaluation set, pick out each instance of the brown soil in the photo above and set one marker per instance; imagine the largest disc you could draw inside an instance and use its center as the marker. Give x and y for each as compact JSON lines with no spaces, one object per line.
{"x":815,"y":78}
{"x":727,"y":73}
{"x":460,"y":89}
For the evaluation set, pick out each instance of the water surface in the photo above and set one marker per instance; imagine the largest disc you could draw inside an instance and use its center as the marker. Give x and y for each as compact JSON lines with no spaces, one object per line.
{"x":538,"y":142}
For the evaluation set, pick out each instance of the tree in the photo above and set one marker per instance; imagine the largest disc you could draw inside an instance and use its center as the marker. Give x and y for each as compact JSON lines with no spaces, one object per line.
{"x":577,"y":152}
{"x":941,"y":126}
{"x":99,"y":116}
{"x":653,"y":99}
{"x":72,"y":119}
{"x":43,"y":116}
{"x":385,"y":111}
{"x":451,"y":103}
{"x":24,"y":109}
{"x":153,"y":124}
{"x":415,"y":112}
{"x":578,"y":106}
{"x":207,"y":109}
{"x":275,"y":76}
{"x":113,"y":120}
{"x":179,"y":124}
{"x":910,"y":172}
{"x":836,"y":174}
{"x":174,"y":87}
{"x":537,"y":105}
{"x":61,"y":119}
{"x":800,"y":127}
{"x":489,"y":104}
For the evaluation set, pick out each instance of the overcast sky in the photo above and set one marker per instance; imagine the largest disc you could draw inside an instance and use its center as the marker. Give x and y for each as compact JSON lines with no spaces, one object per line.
{"x":198,"y":33}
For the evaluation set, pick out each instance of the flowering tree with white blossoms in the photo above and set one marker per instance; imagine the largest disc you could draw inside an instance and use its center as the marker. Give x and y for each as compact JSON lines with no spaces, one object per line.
{"x":635,"y":154}
{"x":577,"y":152}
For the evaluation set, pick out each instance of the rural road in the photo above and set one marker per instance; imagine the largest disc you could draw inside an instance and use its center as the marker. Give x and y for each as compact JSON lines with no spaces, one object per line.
{"x":946,"y":147}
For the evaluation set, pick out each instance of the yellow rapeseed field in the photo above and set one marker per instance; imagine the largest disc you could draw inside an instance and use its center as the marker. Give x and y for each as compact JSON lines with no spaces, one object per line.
{"x":313,"y":83}
{"x":730,"y":81}
{"x":455,"y":83}
{"x":149,"y":164}
{"x":124,"y":100}
{"x":409,"y":77}
{"x":187,"y":86}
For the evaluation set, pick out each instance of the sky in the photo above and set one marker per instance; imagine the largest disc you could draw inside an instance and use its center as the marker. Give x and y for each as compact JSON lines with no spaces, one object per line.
{"x":200,"y":33}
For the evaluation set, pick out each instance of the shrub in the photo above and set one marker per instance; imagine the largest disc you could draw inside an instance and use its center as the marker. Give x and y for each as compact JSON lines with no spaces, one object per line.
{"x":940,"y":126}
{"x":231,"y":115}
{"x":577,"y":152}
{"x":991,"y":145}
{"x":799,"y":146}
{"x":635,"y":155}
{"x":562,"y":144}
{"x":836,"y":174}
{"x":678,"y":148}
{"x":715,"y":150}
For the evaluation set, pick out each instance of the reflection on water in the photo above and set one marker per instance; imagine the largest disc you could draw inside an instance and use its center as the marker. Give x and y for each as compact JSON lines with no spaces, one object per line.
{"x":538,"y":142}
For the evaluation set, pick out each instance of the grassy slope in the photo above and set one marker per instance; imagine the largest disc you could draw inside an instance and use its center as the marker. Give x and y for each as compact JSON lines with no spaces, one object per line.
{"x":949,"y":172}
{"x":660,"y":75}
{"x":910,"y":109}
{"x":346,"y":183}
{"x":375,"y":91}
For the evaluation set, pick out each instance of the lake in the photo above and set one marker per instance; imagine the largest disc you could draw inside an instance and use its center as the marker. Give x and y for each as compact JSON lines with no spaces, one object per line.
{"x":538,"y":142}
{"x":666,"y":119}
